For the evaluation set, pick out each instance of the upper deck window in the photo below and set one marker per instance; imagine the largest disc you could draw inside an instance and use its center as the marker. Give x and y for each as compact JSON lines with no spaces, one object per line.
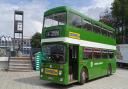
{"x":78,"y":21}
{"x":87,"y":25}
{"x":55,"y":19}
{"x":74,"y":20}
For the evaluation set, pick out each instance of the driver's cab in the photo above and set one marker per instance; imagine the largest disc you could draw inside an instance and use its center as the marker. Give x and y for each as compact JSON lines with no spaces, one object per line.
{"x":54,"y":53}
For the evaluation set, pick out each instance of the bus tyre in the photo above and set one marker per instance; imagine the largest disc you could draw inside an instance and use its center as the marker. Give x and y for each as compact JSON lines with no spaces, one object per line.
{"x":109,"y":71}
{"x":83,"y":76}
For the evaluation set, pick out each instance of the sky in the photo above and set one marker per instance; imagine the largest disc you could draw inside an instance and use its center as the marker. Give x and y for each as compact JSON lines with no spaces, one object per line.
{"x":34,"y":10}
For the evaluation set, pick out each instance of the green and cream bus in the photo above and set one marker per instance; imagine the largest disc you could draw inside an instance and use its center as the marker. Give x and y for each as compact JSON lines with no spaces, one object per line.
{"x":76,"y":48}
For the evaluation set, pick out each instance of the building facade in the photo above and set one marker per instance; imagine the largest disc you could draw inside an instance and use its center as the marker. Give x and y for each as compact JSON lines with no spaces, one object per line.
{"x":7,"y":43}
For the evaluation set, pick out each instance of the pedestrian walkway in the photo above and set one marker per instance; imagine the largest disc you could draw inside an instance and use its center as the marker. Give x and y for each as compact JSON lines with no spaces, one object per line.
{"x":30,"y":80}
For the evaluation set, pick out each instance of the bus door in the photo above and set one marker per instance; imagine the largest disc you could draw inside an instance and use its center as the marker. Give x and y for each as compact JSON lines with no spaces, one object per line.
{"x":73,"y":62}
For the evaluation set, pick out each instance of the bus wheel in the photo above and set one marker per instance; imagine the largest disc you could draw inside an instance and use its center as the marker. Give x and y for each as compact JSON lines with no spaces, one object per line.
{"x":83,"y":76}
{"x":109,"y":70}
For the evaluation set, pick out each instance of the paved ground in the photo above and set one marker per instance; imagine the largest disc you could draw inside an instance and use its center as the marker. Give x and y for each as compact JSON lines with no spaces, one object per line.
{"x":30,"y":80}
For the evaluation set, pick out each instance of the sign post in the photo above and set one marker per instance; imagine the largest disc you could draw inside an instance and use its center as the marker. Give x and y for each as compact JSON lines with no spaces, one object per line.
{"x":18,"y":29}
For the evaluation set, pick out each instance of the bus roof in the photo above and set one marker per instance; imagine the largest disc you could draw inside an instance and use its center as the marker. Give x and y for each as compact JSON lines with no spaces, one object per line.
{"x":65,"y":8}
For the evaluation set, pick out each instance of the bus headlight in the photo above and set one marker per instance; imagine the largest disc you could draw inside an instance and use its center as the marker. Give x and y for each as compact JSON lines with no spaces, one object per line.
{"x":60,"y":72}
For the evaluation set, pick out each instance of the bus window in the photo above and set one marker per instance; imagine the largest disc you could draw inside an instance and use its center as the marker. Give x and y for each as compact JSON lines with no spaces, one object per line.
{"x":111,"y":35}
{"x":96,"y":54}
{"x":104,"y":32}
{"x":55,"y":19}
{"x":86,"y":25}
{"x":74,"y":20}
{"x":54,"y":53}
{"x":87,"y":53}
{"x":96,"y":29}
{"x":111,"y":54}
{"x":105,"y":54}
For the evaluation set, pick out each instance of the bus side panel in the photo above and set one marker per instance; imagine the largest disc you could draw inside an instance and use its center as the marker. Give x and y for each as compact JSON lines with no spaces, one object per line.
{"x":83,"y":63}
{"x":99,"y":66}
{"x":80,"y":62}
{"x":113,"y":64}
{"x":66,"y":74}
{"x":94,"y":70}
{"x":104,"y":67}
{"x":66,"y":69}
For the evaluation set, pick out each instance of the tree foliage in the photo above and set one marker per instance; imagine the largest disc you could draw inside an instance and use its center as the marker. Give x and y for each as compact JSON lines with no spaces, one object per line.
{"x":120,"y":11}
{"x":120,"y":14}
{"x":35,"y":41}
{"x":107,"y":18}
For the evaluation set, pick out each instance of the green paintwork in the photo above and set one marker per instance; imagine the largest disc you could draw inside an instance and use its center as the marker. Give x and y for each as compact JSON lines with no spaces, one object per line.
{"x":96,"y":70}
{"x":84,"y":34}
{"x":93,"y":71}
{"x":56,"y":78}
{"x":63,"y":67}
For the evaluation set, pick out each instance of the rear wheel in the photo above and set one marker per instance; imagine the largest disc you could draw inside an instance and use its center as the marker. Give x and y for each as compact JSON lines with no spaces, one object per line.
{"x":83,"y":76}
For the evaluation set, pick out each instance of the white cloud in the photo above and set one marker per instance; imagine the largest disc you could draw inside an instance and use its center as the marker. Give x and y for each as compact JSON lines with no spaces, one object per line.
{"x":96,"y":8}
{"x":33,"y":16}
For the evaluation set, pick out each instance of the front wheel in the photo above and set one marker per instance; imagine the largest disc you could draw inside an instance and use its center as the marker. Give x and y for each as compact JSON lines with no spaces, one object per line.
{"x":83,"y":76}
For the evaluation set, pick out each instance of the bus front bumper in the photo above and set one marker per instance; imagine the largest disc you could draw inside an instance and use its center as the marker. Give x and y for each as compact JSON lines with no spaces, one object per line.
{"x":54,"y":79}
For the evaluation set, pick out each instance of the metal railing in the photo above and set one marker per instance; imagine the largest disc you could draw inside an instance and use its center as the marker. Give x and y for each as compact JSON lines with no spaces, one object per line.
{"x":31,"y":58}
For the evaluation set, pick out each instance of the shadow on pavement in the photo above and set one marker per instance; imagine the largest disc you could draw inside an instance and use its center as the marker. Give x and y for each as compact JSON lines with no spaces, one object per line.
{"x":35,"y":81}
{"x":58,"y":86}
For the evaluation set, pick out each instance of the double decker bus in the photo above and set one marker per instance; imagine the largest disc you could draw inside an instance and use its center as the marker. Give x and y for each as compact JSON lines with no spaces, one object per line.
{"x":76,"y":48}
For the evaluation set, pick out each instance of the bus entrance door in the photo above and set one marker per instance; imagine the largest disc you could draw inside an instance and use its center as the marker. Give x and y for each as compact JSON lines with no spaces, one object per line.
{"x":73,"y":62}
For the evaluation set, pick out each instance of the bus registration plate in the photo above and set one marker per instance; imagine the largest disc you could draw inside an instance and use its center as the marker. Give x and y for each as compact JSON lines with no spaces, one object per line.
{"x":51,"y":71}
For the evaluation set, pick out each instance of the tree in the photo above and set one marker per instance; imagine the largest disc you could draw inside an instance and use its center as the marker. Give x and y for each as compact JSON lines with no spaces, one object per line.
{"x":120,"y":10}
{"x":107,"y":18}
{"x":35,"y":41}
{"x":120,"y":14}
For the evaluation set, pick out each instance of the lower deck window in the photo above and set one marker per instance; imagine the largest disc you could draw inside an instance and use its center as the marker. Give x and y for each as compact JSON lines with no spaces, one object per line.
{"x":87,"y":53}
{"x":94,"y":53}
{"x":97,"y":54}
{"x":111,"y":54}
{"x":105,"y":54}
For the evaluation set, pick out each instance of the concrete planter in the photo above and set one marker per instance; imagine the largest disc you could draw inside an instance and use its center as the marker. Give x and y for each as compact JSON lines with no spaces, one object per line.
{"x":3,"y":63}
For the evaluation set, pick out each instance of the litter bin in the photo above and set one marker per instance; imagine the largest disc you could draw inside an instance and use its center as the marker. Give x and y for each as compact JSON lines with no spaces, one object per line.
{"x":13,"y":53}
